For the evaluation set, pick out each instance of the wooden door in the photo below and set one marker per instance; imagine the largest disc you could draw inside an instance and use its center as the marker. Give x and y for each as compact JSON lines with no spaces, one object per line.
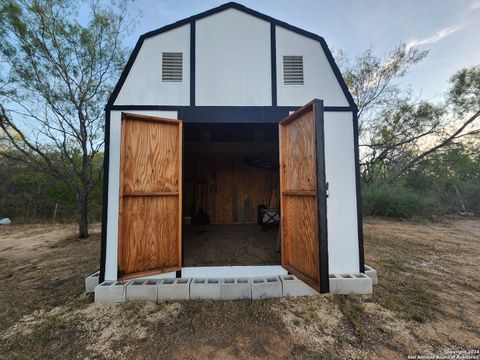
{"x":303,"y":196}
{"x":150,"y":210}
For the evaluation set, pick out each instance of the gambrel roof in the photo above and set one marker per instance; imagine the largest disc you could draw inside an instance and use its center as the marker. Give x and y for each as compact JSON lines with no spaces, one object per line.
{"x":244,"y":9}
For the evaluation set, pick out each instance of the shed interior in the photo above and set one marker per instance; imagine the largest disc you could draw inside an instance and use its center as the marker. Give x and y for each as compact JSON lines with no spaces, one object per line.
{"x":230,"y":172}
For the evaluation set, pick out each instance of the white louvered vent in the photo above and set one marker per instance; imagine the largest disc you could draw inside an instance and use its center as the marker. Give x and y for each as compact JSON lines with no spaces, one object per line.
{"x":172,"y":66}
{"x":293,"y":70}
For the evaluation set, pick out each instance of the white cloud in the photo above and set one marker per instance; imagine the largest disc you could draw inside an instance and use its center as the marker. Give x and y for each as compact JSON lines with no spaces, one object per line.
{"x":475,"y":5}
{"x":439,"y":35}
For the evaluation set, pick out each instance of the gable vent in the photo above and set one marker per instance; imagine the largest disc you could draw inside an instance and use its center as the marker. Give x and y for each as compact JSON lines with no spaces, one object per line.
{"x":293,"y":70}
{"x":172,"y":66}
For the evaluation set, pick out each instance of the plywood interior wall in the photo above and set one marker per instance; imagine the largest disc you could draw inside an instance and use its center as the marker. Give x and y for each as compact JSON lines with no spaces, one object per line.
{"x":229,"y":174}
{"x":226,"y":188}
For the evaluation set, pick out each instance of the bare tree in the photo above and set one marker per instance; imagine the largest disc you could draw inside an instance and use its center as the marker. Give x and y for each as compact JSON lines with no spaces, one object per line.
{"x":463,"y":100}
{"x":396,"y":131}
{"x":373,"y":80}
{"x":57,"y":73}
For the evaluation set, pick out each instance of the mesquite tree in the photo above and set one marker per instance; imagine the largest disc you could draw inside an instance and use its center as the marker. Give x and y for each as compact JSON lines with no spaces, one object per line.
{"x":398,"y":132}
{"x":56,"y":72}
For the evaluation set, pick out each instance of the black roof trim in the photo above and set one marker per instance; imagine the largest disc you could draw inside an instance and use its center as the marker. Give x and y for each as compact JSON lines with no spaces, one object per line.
{"x":232,"y":5}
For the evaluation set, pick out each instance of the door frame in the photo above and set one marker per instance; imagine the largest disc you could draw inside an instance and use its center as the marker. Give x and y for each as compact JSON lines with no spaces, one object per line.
{"x":322,"y":195}
{"x":120,"y":242}
{"x":316,"y":106}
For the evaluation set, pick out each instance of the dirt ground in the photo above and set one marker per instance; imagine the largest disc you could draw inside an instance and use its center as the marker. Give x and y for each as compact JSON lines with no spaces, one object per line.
{"x":427,"y":302}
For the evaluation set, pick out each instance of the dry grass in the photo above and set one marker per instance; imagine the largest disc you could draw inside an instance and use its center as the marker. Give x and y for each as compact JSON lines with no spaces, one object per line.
{"x":427,"y":301}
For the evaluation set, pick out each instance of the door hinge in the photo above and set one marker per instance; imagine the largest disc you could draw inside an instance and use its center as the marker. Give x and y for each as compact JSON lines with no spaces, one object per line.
{"x":327,"y":191}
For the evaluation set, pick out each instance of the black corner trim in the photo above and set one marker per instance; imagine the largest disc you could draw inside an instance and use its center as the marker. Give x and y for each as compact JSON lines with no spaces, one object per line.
{"x":358,"y":194}
{"x":273,"y":61}
{"x":321,"y":196}
{"x":106,"y":165}
{"x":126,"y":70}
{"x":338,"y":74}
{"x":192,"y":62}
{"x":233,"y":5}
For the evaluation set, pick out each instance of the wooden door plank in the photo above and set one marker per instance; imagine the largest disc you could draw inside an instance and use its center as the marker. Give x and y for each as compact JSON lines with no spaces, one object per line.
{"x":300,"y":198}
{"x":299,"y":193}
{"x":151,"y":157}
{"x":150,"y":196}
{"x":162,"y":193}
{"x":151,"y":233}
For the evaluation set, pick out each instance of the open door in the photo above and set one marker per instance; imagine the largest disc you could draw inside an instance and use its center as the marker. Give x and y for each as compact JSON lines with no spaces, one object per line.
{"x":150,"y":210}
{"x":303,"y":196}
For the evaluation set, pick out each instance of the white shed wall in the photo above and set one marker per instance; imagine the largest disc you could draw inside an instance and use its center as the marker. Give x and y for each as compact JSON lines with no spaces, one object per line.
{"x":319,"y":80}
{"x":144,"y":85}
{"x":343,"y":251}
{"x":232,"y":65}
{"x":114,"y":183}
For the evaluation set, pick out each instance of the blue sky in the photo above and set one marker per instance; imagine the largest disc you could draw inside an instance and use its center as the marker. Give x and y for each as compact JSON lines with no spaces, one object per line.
{"x":450,"y":29}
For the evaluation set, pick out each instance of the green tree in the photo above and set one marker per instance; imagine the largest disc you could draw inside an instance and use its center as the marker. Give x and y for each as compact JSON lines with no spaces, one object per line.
{"x":57,"y":76}
{"x":461,"y":119}
{"x":397,"y":132}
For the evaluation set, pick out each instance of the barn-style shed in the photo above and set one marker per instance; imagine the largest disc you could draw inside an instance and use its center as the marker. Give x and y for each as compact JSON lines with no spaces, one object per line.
{"x":222,"y":125}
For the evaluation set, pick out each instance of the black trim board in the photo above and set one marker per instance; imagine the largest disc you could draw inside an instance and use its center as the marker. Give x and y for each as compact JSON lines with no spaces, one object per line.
{"x":226,"y":114}
{"x":273,"y":63}
{"x":106,"y":166}
{"x":179,"y":273}
{"x":192,"y":63}
{"x":321,"y":196}
{"x":358,"y":194}
{"x":231,"y":5}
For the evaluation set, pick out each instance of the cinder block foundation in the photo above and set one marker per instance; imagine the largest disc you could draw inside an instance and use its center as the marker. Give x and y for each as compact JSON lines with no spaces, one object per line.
{"x":292,"y":286}
{"x":372,"y":274}
{"x":173,"y":289}
{"x":91,"y":281}
{"x":202,"y":289}
{"x":142,"y":290}
{"x":110,"y":292}
{"x":353,"y":283}
{"x":266,"y":287}
{"x":235,"y":288}
{"x":149,"y":289}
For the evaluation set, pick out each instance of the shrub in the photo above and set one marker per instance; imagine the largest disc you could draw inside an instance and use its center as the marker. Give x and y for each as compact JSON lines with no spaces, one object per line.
{"x":392,"y":200}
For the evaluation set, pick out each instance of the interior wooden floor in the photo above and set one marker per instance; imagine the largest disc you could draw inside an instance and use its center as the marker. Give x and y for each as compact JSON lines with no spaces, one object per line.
{"x":229,"y":244}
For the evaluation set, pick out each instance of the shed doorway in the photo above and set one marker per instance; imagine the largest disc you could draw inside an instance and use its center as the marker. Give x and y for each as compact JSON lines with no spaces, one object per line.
{"x":231,"y":193}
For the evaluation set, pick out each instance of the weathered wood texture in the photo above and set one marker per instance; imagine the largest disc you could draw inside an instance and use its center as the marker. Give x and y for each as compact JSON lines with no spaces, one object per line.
{"x":298,"y":185}
{"x":224,"y":186}
{"x":150,"y":195}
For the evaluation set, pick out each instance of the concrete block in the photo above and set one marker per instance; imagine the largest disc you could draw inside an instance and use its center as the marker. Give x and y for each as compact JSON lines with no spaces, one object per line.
{"x":205,"y":288}
{"x":110,"y":292}
{"x":142,"y":290}
{"x":91,"y":281}
{"x":354,"y":283}
{"x":173,"y":289}
{"x":335,"y":282}
{"x":235,"y":288}
{"x":372,"y":274}
{"x":292,"y":286}
{"x":266,"y":287}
